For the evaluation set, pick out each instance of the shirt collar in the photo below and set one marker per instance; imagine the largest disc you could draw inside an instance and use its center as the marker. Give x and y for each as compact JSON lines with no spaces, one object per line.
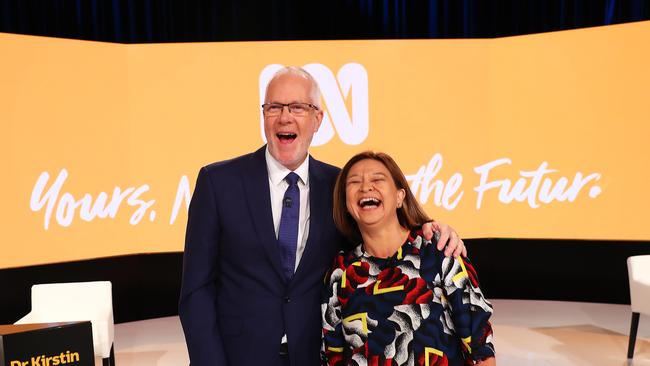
{"x":277,"y":172}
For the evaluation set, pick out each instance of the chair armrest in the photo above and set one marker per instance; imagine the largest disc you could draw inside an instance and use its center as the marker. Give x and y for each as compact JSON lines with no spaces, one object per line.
{"x":30,"y":318}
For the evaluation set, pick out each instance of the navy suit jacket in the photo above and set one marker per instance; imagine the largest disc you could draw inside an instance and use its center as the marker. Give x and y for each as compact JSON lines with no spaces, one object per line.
{"x":235,"y":304}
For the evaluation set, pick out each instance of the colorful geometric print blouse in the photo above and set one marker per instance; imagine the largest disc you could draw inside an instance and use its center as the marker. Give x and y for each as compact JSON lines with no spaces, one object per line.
{"x":416,"y":308}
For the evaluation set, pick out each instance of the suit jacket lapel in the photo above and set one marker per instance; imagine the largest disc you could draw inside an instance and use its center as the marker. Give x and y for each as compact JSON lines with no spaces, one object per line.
{"x":256,"y":183}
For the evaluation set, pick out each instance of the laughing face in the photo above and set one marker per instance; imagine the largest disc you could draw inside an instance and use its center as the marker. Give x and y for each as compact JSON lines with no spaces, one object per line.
{"x":289,"y":136}
{"x":371,"y":195}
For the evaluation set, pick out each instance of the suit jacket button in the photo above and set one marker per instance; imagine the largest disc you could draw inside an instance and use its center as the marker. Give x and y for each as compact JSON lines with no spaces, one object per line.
{"x":287,"y":299}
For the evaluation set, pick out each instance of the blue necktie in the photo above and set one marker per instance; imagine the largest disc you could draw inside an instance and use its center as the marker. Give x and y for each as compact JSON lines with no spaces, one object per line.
{"x":288,"y":233}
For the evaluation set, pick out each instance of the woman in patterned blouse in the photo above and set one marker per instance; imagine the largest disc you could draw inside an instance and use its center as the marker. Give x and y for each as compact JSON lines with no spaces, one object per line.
{"x":395,"y":299}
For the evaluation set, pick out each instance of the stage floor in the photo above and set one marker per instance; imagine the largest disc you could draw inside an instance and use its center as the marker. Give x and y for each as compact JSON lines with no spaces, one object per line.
{"x":526,"y":333}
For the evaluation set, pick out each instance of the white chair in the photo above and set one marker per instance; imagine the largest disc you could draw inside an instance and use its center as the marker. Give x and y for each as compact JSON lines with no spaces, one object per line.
{"x":638,"y":269}
{"x":77,"y":301}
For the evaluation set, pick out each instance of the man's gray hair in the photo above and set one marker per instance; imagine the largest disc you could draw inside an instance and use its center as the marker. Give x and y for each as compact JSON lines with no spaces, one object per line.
{"x":314,"y":93}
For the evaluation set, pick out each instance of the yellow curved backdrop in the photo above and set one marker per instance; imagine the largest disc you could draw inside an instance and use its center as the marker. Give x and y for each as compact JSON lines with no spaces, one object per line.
{"x":540,"y":136}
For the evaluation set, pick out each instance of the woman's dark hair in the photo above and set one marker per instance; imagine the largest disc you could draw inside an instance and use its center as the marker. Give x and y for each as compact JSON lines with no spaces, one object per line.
{"x":410,"y":215}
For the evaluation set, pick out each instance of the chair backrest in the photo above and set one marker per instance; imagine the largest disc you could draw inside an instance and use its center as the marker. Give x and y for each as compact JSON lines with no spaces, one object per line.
{"x":638,"y":269}
{"x":73,"y":300}
{"x":76,"y":301}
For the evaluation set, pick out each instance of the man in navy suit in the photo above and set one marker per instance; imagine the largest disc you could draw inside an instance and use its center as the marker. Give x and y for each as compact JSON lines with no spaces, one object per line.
{"x":252,"y":272}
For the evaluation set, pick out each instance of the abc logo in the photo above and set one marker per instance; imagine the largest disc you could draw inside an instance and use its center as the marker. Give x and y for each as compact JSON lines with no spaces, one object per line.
{"x":351,"y":82}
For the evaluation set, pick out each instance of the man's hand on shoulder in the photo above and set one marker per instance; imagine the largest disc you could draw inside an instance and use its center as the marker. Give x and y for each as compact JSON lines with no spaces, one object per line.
{"x":448,"y":240}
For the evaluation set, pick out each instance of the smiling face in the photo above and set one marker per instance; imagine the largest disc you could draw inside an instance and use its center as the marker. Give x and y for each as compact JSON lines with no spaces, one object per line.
{"x":372,"y":198}
{"x":289,"y":136}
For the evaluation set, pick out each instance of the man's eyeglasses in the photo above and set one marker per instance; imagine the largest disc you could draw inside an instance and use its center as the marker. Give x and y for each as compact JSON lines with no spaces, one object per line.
{"x":296,"y":109}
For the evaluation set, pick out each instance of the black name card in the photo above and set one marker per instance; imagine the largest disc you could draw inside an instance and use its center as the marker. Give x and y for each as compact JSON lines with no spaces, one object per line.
{"x":47,"y":344}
